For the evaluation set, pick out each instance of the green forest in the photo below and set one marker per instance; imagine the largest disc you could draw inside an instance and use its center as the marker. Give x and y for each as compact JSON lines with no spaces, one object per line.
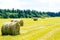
{"x":17,"y":13}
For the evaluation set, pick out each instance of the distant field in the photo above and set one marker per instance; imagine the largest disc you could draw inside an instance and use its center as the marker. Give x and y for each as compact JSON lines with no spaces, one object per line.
{"x":43,"y":29}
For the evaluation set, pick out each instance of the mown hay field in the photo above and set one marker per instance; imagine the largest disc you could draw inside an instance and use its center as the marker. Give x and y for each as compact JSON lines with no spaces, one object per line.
{"x":42,"y":29}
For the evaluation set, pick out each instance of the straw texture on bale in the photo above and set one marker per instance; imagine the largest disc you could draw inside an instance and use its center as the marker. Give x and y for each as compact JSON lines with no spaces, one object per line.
{"x":19,"y":21}
{"x":10,"y":28}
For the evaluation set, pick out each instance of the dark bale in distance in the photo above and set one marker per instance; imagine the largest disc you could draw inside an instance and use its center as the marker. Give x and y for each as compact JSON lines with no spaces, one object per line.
{"x":35,"y":18}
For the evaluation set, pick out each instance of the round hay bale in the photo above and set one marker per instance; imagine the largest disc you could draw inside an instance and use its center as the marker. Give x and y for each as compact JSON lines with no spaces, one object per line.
{"x":10,"y":28}
{"x":19,"y":21}
{"x":5,"y":29}
{"x":35,"y":19}
{"x":15,"y":29}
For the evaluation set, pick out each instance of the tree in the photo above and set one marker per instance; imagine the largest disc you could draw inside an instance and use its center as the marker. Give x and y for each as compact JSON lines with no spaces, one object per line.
{"x":4,"y":15}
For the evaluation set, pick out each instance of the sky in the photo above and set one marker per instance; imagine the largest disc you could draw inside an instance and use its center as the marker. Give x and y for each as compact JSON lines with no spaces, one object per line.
{"x":39,"y":5}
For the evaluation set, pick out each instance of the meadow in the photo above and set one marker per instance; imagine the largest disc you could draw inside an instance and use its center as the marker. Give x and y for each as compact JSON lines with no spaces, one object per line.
{"x":42,"y":29}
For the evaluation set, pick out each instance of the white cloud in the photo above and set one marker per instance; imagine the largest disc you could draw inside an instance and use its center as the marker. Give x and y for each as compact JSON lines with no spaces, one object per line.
{"x":35,"y":4}
{"x":40,"y":5}
{"x":54,"y":5}
{"x":10,"y":4}
{"x":42,"y":1}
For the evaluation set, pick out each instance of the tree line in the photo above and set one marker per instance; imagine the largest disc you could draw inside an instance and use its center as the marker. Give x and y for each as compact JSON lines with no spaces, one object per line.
{"x":16,"y":13}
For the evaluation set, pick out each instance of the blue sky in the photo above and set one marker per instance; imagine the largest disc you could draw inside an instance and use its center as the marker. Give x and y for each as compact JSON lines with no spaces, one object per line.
{"x":39,"y":5}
